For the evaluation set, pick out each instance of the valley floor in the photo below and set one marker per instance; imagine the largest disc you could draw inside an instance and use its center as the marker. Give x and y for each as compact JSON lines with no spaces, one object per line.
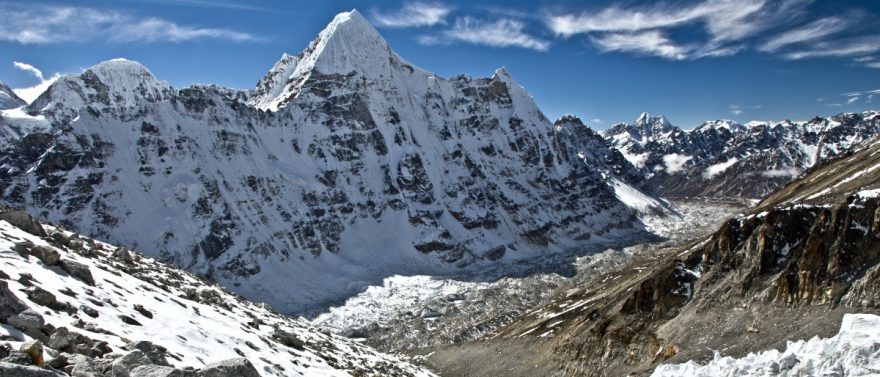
{"x":421,"y":314}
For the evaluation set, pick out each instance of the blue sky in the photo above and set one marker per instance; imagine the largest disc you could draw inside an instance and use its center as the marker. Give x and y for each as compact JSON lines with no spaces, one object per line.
{"x":605,"y":61}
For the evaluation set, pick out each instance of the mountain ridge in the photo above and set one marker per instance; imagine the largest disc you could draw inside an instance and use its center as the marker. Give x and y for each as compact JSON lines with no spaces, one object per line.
{"x":348,"y":178}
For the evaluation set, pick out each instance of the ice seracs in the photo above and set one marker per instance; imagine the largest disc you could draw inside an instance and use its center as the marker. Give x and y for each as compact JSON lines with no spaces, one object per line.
{"x":852,"y":352}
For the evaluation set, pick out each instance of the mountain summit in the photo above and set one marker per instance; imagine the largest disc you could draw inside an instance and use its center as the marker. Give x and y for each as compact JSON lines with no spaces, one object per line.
{"x":348,"y":45}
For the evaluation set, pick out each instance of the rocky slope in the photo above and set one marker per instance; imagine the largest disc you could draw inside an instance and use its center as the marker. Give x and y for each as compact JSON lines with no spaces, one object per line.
{"x":787,"y":270}
{"x":8,"y":98}
{"x":724,"y":158}
{"x":346,"y":164}
{"x":73,"y":305}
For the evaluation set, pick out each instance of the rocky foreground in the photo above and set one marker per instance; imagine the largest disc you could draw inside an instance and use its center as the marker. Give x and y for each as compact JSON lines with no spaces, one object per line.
{"x":73,"y":306}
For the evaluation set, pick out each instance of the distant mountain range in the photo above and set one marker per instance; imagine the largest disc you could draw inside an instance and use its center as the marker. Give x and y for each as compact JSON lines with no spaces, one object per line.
{"x":723,"y":158}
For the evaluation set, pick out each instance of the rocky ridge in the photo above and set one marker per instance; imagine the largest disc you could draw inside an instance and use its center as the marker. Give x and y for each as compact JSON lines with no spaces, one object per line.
{"x":8,"y":98}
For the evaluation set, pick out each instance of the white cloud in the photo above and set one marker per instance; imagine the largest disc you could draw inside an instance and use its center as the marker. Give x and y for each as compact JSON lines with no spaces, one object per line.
{"x":718,"y":168}
{"x":596,"y":120}
{"x":728,"y":23}
{"x":45,"y":24}
{"x":29,"y":68}
{"x":504,"y":32}
{"x":852,"y":99}
{"x":646,"y":43}
{"x":792,"y":173}
{"x":873,"y":65}
{"x":675,"y":162}
{"x":414,"y":15}
{"x":735,"y":110}
{"x":807,"y":33}
{"x":31,"y":93}
{"x":851,"y":47}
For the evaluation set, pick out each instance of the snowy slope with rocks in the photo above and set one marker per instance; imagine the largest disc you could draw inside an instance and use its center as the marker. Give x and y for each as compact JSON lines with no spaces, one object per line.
{"x":724,"y":158}
{"x":92,"y":305}
{"x":852,"y":352}
{"x":344,"y":165}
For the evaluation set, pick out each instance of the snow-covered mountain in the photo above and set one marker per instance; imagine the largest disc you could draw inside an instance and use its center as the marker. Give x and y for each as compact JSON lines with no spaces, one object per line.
{"x":97,"y":307}
{"x":8,"y":98}
{"x":724,"y":158}
{"x":344,"y":165}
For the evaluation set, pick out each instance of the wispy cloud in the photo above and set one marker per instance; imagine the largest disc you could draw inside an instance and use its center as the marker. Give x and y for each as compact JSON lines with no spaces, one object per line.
{"x":29,"y":69}
{"x":504,"y":32}
{"x":596,"y":121}
{"x":810,"y":32}
{"x":29,"y":94}
{"x":736,"y":110}
{"x":44,"y":24}
{"x":217,"y":4}
{"x":848,"y":47}
{"x":727,"y":23}
{"x":865,"y":96}
{"x":414,"y":15}
{"x":648,"y":43}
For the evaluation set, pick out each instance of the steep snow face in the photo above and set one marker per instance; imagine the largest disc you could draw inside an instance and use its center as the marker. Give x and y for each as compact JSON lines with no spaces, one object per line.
{"x":8,"y":98}
{"x":852,"y":352}
{"x":365,"y":167}
{"x":138,"y":298}
{"x":729,"y":159}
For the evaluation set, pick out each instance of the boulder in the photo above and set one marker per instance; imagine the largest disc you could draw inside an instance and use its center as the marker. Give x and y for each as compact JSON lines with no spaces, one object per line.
{"x":34,"y":349}
{"x":27,"y":320}
{"x":19,"y":358}
{"x":123,"y":255}
{"x":10,"y":305}
{"x":41,"y":296}
{"x":122,"y":365}
{"x":48,"y":255}
{"x":78,"y":270}
{"x":67,"y":341}
{"x":155,"y":353}
{"x":9,"y":369}
{"x":22,"y":220}
{"x":238,"y":367}
{"x":155,"y":371}
{"x":84,"y":367}
{"x":288,"y":339}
